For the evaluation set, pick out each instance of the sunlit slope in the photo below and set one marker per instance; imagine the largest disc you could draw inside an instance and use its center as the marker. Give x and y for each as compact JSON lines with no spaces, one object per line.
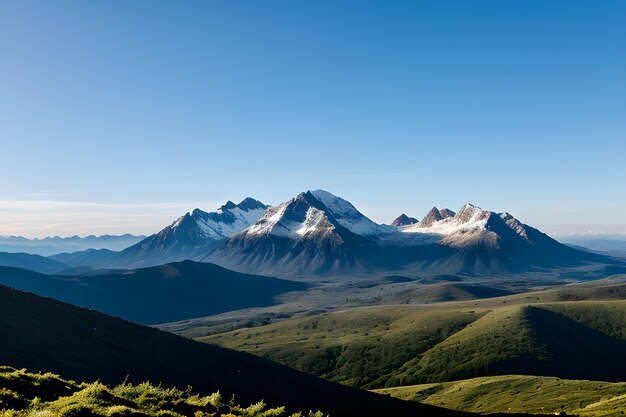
{"x":529,"y":340}
{"x":359,"y":347}
{"x":401,"y":345}
{"x":34,"y":394}
{"x":521,"y":394}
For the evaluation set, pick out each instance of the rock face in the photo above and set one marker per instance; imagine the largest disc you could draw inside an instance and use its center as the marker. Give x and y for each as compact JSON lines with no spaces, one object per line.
{"x":435,"y":215}
{"x":403,"y":220}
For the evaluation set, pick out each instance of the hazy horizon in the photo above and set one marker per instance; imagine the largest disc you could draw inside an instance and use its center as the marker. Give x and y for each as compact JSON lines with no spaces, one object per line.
{"x":43,"y":218}
{"x":119,"y":117}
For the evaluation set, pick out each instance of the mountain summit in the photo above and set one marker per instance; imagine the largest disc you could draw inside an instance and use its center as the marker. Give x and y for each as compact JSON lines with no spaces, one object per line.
{"x":314,"y":232}
{"x":403,"y":220}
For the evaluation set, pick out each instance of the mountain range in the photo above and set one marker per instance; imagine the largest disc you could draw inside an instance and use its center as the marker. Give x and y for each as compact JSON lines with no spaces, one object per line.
{"x":318,"y":233}
{"x":53,"y":245}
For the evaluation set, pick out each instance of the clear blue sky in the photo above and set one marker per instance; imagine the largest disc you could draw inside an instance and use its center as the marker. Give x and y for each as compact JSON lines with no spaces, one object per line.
{"x":118,"y":116}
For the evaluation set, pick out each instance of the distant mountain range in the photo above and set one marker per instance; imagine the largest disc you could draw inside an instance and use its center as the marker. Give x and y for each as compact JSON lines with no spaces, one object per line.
{"x":317,"y":233}
{"x":54,"y":244}
{"x":597,"y":243}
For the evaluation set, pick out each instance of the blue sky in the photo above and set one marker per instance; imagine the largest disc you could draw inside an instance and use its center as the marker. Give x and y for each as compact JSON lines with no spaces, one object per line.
{"x":118,"y":116}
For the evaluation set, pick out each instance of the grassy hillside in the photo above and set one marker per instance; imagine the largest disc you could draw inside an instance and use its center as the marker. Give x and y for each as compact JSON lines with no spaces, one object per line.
{"x":401,"y":345}
{"x":361,"y":348}
{"x":26,"y":394}
{"x":521,"y":394}
{"x":529,"y":340}
{"x":158,"y":294}
{"x":46,"y":335}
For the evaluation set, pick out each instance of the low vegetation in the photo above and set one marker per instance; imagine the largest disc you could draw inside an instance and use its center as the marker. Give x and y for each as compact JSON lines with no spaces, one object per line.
{"x":405,"y":345}
{"x":520,"y":394}
{"x":362,"y":348}
{"x":29,"y":394}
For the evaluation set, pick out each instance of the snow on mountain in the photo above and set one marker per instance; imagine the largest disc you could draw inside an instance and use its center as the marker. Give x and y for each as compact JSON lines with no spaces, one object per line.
{"x":300,"y":236}
{"x":227,"y":220}
{"x":469,"y":225}
{"x":318,"y":233}
{"x":301,"y":217}
{"x":348,"y":216}
{"x":191,"y":236}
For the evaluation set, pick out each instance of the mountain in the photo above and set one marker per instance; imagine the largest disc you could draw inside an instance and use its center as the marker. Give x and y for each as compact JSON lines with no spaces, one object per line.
{"x":90,"y":257}
{"x":191,"y":236}
{"x":160,"y":294}
{"x":318,"y":233}
{"x":313,"y":233}
{"x":483,"y":242}
{"x":32,"y":262}
{"x":403,"y":220}
{"x":607,"y":244}
{"x":53,"y":245}
{"x":46,"y":335}
{"x":435,"y":215}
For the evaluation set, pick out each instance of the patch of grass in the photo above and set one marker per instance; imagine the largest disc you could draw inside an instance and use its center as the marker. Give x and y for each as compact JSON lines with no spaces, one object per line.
{"x":28,"y":394}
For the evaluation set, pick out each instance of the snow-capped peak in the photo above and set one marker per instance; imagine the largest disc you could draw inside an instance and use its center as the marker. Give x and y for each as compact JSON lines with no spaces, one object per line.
{"x":296,"y":218}
{"x":470,"y":224}
{"x":469,"y":218}
{"x":347,"y":215}
{"x":227,"y":220}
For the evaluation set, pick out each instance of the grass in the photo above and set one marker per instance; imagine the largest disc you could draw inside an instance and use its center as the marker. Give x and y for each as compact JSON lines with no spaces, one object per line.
{"x":29,"y":394}
{"x":361,"y":348}
{"x":520,"y":394}
{"x":404,"y":345}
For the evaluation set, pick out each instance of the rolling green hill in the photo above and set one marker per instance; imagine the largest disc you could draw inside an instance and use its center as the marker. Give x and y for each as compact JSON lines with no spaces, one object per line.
{"x":400,"y":345}
{"x":520,"y":394}
{"x":535,"y":340}
{"x":42,"y":334}
{"x":362,"y":347}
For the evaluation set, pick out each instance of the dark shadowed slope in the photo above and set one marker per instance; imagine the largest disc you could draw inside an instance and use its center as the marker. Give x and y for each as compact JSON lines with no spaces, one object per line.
{"x":159,"y":294}
{"x":32,"y":262}
{"x":47,"y":335}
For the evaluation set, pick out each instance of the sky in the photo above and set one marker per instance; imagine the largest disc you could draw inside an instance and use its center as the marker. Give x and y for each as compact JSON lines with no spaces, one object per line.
{"x":120,"y":116}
